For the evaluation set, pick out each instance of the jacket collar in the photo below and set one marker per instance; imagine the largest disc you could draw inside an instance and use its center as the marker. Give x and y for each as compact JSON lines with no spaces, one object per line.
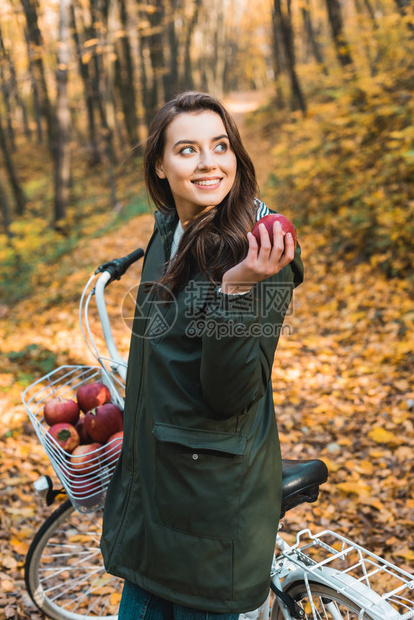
{"x":166,"y":225}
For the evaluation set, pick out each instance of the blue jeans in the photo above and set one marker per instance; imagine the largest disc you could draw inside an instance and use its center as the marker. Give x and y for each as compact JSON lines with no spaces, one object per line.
{"x":138,"y":604}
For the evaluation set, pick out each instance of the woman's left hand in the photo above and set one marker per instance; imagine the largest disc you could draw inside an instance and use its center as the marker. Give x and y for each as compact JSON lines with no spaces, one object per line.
{"x":261,"y":261}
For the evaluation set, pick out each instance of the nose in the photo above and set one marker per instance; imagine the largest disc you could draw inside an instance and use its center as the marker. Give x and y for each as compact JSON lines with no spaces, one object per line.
{"x":207,"y":160}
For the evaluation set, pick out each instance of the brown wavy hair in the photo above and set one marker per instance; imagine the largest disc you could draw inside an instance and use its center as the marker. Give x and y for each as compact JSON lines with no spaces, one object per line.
{"x":215,"y":241}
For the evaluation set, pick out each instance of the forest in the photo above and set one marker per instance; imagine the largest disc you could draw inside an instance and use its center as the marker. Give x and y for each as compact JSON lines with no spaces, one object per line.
{"x":323,"y":92}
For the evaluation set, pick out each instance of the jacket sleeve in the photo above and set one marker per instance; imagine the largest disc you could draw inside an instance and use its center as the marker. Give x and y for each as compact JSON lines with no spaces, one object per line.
{"x":240,"y":339}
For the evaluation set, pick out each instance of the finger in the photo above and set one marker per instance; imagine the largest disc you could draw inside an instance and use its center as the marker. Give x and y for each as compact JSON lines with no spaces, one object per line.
{"x":289,"y":251}
{"x":252,"y":241}
{"x":265,"y":244}
{"x":278,"y":243}
{"x":253,"y":246}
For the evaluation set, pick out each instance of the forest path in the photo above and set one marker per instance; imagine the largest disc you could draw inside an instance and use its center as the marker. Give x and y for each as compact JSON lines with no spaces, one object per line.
{"x":240,"y":104}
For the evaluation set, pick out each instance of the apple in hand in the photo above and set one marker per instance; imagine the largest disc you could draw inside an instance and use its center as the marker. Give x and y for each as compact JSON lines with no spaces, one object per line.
{"x":269,"y":220}
{"x":61,"y":410}
{"x":66,"y":435}
{"x":113,"y":447}
{"x":83,"y":461}
{"x":104,"y":421}
{"x":92,"y":395}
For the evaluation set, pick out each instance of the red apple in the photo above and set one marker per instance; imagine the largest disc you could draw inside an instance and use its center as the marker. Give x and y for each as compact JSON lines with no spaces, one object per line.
{"x":66,"y":471}
{"x":61,"y":410}
{"x":83,"y":435}
{"x":84,"y":459}
{"x":113,"y":447}
{"x":104,"y":421}
{"x":89,"y":490}
{"x":269,"y":220}
{"x":66,"y":435}
{"x":92,"y":395}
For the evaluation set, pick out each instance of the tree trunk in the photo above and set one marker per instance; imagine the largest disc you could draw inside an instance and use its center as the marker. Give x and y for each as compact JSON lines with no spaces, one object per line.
{"x":125,"y":78}
{"x":14,"y":182}
{"x":88,"y":92}
{"x":277,"y":58}
{"x":152,"y":41}
{"x":314,"y":45}
{"x":35,"y":47}
{"x":62,"y":160}
{"x":5,"y":84}
{"x":371,"y":12}
{"x":188,"y":81}
{"x":219,"y":58}
{"x":171,"y":51}
{"x":5,"y":211}
{"x":343,"y":52}
{"x":143,"y":51}
{"x":285,"y":28}
{"x":101,"y":99}
{"x":35,"y":92}
{"x":371,"y":61}
{"x":15,"y":89}
{"x":19,"y":101}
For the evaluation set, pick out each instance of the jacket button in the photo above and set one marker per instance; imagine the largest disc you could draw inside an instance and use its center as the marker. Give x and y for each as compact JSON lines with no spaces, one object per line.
{"x":195,"y":456}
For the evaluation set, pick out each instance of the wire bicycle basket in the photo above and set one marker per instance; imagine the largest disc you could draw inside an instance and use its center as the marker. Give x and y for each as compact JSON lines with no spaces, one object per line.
{"x":86,"y":490}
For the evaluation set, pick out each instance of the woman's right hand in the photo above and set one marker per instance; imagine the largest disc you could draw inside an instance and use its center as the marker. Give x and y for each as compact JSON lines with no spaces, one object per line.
{"x":261,"y":262}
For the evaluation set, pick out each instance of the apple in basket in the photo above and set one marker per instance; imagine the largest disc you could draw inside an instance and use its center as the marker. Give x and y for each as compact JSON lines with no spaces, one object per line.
{"x":84,"y":460}
{"x":269,"y":220}
{"x":113,"y":447}
{"x":66,"y":435}
{"x":89,"y":490}
{"x":83,"y":435}
{"x":92,"y":395}
{"x":61,"y":410}
{"x":104,"y":421}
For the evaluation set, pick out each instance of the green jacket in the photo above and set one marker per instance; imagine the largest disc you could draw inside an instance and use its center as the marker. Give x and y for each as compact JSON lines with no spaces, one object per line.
{"x":192,"y":509}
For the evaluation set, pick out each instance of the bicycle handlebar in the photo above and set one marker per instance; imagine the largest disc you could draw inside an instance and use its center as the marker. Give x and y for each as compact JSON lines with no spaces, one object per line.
{"x":118,"y":266}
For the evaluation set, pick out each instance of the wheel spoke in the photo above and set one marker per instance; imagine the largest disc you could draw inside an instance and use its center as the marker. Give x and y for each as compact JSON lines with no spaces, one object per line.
{"x":64,"y":571}
{"x":325,"y":603}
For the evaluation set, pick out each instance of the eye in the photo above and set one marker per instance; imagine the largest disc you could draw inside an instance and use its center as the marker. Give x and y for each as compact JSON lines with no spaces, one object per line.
{"x":186,"y":150}
{"x":222,"y":147}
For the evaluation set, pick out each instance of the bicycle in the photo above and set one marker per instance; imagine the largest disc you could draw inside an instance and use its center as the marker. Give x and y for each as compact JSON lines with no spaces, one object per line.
{"x":320,"y":576}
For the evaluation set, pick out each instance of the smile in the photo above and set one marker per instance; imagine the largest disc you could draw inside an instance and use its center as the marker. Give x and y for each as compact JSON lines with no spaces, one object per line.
{"x":207,"y":183}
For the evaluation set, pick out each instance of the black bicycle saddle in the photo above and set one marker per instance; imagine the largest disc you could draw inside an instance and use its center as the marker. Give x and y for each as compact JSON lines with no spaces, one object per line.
{"x":301,"y":481}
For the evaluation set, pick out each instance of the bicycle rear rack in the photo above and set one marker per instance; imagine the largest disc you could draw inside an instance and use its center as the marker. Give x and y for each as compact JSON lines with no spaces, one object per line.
{"x":353,"y":569}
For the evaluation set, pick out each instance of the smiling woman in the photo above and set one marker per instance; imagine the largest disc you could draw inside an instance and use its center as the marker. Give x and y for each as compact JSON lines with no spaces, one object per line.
{"x":191,"y":512}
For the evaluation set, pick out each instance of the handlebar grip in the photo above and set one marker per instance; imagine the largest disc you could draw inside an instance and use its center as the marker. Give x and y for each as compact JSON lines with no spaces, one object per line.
{"x":118,"y":266}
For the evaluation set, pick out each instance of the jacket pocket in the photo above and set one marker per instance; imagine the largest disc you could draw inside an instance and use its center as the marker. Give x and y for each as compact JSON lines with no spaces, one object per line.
{"x":198,"y":480}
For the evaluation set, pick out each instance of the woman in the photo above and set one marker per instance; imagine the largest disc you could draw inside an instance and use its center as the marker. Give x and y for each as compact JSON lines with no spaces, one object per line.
{"x":192,"y":510}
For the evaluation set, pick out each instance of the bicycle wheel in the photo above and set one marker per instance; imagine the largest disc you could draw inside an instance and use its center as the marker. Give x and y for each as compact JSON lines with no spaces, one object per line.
{"x":329,"y":604}
{"x":64,"y":571}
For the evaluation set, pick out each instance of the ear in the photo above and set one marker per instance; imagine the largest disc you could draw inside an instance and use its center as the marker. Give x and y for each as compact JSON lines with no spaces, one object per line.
{"x":159,"y":169}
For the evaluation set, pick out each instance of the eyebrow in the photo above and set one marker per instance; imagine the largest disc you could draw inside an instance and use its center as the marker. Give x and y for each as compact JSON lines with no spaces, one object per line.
{"x":195,"y":141}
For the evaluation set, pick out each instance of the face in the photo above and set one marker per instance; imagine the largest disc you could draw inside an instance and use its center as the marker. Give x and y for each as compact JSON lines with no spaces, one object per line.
{"x":197,"y":162}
